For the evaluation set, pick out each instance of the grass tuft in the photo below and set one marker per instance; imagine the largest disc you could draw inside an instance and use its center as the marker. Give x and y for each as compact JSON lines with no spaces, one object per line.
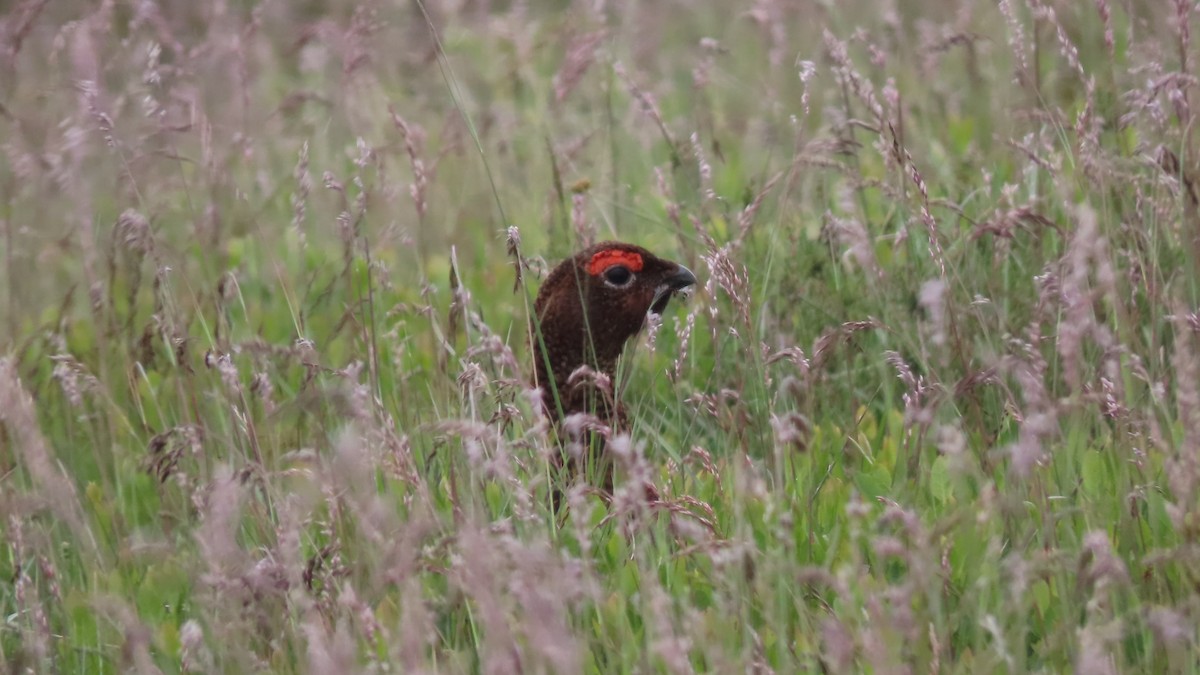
{"x":265,"y":372}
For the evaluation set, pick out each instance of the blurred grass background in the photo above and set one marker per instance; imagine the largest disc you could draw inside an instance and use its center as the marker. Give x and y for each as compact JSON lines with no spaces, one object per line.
{"x":263,"y":384}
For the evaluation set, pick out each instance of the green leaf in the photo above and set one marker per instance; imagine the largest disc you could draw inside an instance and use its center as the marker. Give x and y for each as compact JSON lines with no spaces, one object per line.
{"x":1096,"y":480}
{"x":939,"y":480}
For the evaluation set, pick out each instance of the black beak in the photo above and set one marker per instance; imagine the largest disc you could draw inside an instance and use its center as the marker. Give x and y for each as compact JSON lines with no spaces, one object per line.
{"x":678,"y":280}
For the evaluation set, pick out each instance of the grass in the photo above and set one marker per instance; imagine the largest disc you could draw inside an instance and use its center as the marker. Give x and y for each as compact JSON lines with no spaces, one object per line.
{"x":264,"y":400}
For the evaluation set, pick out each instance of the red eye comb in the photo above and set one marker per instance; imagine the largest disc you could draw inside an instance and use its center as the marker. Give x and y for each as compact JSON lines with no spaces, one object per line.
{"x":607,"y":258}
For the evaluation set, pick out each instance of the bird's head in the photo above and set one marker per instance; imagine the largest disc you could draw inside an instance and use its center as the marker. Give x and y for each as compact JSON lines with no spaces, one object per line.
{"x":593,"y":302}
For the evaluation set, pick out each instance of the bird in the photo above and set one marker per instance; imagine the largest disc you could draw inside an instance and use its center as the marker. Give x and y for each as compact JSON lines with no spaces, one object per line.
{"x":588,"y":308}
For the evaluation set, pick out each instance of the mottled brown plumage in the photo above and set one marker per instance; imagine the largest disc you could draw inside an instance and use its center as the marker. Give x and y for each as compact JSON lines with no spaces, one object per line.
{"x":587,"y":309}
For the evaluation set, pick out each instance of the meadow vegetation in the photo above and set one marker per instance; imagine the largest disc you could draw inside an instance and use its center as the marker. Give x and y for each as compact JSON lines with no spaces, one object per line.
{"x":264,"y":365}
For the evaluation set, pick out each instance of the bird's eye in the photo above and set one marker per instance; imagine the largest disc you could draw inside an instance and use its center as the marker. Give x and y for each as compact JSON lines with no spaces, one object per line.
{"x":618,"y":275}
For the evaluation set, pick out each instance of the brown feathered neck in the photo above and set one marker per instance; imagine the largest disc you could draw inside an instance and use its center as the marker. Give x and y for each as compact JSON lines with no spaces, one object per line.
{"x":585,"y":312}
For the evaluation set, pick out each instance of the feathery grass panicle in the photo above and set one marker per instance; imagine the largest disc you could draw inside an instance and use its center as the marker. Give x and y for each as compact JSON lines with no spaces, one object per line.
{"x":936,"y":409}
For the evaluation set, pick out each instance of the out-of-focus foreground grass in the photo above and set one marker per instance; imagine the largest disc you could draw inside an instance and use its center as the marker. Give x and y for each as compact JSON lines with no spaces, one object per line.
{"x":264,"y":380}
